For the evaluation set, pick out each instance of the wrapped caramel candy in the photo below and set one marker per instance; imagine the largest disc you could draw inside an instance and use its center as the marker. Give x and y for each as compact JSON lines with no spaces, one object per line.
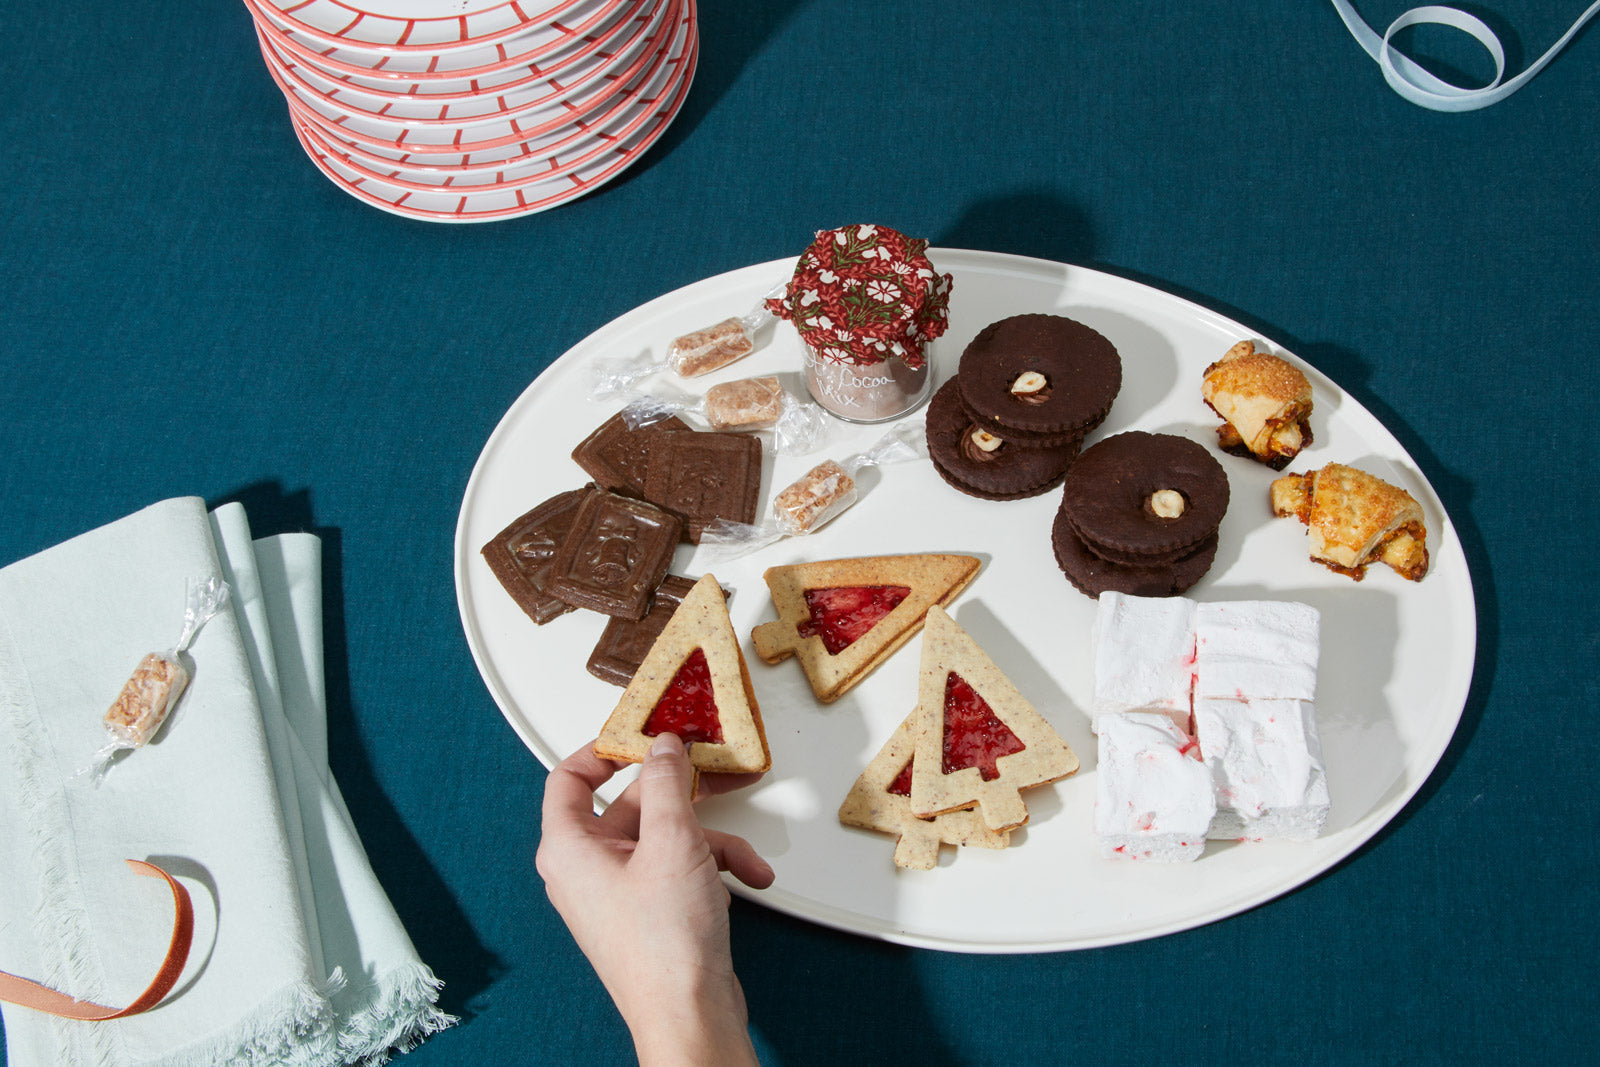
{"x":814,"y":499}
{"x":158,"y":682}
{"x":688,"y":355}
{"x":798,"y":427}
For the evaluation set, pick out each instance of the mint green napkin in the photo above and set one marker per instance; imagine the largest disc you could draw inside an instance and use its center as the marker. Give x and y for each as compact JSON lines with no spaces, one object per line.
{"x":298,"y":957}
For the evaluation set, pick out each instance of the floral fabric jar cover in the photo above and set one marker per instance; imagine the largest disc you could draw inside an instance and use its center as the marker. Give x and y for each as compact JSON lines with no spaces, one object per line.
{"x":866,"y":300}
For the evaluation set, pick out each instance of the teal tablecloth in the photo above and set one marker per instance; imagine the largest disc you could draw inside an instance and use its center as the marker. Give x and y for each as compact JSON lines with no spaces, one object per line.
{"x":188,"y":307}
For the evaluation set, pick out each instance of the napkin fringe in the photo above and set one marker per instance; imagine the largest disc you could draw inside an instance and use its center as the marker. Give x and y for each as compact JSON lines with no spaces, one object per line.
{"x":293,"y":1026}
{"x":396,"y":1013}
{"x":59,"y":922}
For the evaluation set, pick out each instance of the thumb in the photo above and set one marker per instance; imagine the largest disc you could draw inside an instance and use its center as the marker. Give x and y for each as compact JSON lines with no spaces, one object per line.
{"x":665,"y":779}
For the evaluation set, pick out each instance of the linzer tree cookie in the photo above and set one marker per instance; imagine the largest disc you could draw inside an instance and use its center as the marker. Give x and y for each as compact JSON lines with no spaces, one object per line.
{"x":843,"y":617}
{"x":693,"y":683}
{"x":881,"y":800}
{"x":979,"y":741}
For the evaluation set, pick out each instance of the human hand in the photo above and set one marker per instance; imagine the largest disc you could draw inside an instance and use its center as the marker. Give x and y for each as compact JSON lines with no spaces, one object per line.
{"x":638,"y":888}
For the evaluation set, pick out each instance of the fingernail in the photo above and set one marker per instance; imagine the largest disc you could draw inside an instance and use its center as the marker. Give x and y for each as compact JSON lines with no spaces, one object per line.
{"x":665,"y":744}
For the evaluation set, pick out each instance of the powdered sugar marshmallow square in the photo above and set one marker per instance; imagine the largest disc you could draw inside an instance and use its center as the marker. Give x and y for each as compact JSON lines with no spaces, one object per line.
{"x":1266,"y":761}
{"x":1153,"y":799}
{"x":1143,"y":656}
{"x":1256,"y":649}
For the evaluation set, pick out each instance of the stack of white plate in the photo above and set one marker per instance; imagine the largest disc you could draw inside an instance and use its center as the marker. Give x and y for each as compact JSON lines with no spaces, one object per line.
{"x":471,"y":110}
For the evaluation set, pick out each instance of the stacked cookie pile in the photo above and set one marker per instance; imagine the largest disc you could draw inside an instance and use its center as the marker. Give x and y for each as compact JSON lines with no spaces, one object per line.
{"x":1139,"y":514}
{"x":1028,"y":389}
{"x":606,"y":547}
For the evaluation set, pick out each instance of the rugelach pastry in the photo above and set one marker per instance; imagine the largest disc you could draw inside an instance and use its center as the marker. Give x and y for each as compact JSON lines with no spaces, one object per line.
{"x":521,"y":555}
{"x":992,"y":466}
{"x":881,"y":800}
{"x":1354,"y":519}
{"x":694,"y":684}
{"x":1264,"y":402}
{"x":1039,"y":376}
{"x":979,"y":741}
{"x":843,"y":617}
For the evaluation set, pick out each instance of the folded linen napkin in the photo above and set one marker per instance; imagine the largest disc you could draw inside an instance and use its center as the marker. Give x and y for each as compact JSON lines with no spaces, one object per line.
{"x":298,"y":956}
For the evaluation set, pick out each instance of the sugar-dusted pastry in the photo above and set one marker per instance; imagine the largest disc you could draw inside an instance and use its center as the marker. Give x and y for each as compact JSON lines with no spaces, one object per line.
{"x":1354,"y":519}
{"x":1264,"y":402}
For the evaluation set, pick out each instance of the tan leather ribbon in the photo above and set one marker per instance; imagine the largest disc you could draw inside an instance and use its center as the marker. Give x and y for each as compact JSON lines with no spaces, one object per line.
{"x":31,"y":994}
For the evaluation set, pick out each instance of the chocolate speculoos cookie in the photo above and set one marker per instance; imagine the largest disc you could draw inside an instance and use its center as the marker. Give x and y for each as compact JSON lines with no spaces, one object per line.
{"x":1093,"y":575}
{"x":1109,"y":493}
{"x":1007,"y":472}
{"x":617,"y":457}
{"x":1040,"y":375}
{"x":704,"y":476}
{"x":521,"y":555}
{"x":616,"y":555}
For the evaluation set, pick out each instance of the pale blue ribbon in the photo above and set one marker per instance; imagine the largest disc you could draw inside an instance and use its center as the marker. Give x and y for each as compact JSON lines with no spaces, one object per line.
{"x":1425,"y":90}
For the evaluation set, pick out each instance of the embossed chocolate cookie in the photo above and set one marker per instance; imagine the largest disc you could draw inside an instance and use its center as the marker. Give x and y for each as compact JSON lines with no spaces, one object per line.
{"x":705,"y":476}
{"x":1144,"y":495}
{"x":617,"y":457}
{"x":1040,"y":376}
{"x":521,"y":555}
{"x":987,"y":465}
{"x":616,"y":555}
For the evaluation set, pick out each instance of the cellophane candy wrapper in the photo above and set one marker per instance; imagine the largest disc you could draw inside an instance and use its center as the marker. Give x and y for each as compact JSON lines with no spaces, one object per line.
{"x":814,"y":499}
{"x":157,"y":683}
{"x":798,"y":426}
{"x":689,"y":356}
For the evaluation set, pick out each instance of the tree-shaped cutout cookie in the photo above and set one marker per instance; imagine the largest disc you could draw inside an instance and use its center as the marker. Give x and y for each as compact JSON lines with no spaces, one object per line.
{"x":843,"y":617}
{"x":881,"y":800}
{"x":694,"y":683}
{"x":978,"y":739}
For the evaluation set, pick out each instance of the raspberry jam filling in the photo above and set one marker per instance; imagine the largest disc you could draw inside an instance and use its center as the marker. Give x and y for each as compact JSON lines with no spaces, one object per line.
{"x":688,"y":708}
{"x":841,"y":615}
{"x":901,"y":786}
{"x":973,"y":737}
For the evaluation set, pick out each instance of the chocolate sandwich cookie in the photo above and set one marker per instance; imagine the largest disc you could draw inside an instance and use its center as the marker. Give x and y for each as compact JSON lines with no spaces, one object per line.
{"x":1039,"y":377}
{"x":1144,"y":497}
{"x":1093,"y":574}
{"x":986,"y":465}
